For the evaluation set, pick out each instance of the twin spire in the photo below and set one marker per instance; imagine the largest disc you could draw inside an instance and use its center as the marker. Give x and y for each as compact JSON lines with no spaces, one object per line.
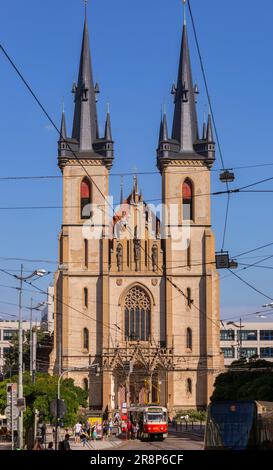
{"x":185,"y":143}
{"x":85,"y":140}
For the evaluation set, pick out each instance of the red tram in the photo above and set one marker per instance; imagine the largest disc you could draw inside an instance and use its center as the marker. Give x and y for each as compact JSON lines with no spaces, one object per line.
{"x":151,"y":419}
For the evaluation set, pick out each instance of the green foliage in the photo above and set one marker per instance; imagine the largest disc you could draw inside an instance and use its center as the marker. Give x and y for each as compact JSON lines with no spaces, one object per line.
{"x":194,"y":415}
{"x":254,"y":381}
{"x":39,"y":396}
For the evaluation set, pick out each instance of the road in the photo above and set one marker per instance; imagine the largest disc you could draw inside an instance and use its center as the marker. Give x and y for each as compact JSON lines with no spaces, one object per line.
{"x":173,"y":442}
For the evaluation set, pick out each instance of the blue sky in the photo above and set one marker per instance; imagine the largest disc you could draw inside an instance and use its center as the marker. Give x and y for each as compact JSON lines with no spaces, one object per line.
{"x":135,"y":49}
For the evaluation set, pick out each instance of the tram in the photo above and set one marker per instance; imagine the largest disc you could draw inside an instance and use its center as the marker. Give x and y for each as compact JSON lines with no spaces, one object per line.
{"x":152,"y":421}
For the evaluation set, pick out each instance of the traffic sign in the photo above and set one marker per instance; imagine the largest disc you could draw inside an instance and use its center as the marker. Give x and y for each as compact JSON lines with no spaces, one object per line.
{"x":15,"y":412}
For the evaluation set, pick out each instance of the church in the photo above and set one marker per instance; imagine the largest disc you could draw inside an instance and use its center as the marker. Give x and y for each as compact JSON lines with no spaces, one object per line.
{"x":136,"y":294}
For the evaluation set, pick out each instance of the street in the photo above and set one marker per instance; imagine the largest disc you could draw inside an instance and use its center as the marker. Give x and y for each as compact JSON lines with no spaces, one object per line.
{"x":173,"y":442}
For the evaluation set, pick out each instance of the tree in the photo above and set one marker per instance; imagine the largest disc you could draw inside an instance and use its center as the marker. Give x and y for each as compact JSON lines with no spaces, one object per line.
{"x":44,"y":347}
{"x":251,"y":380}
{"x":39,"y":396}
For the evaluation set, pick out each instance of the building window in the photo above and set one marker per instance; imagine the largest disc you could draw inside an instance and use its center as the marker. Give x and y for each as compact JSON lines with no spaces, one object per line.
{"x":86,"y":253}
{"x":189,"y":299}
{"x":85,"y":384}
{"x":187,"y":200}
{"x":85,"y":295}
{"x":137,"y":315}
{"x":248,"y":352}
{"x":189,"y":386}
{"x":85,"y":199}
{"x":8,"y":334}
{"x":266,"y":352}
{"x":247,"y":335}
{"x":189,"y":338}
{"x":188,"y":253}
{"x":266,"y":335}
{"x":229,"y":353}
{"x":86,"y":339}
{"x":5,"y":351}
{"x":227,"y":335}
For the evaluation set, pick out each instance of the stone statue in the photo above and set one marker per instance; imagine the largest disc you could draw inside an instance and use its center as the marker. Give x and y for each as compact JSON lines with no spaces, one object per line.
{"x":137,"y":248}
{"x":154,"y":257}
{"x":119,"y":257}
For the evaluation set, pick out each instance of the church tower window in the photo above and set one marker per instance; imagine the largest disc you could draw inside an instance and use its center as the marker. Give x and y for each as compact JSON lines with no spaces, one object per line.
{"x":85,"y":199}
{"x":187,"y":200}
{"x":137,"y":315}
{"x":189,"y":338}
{"x":86,"y":339}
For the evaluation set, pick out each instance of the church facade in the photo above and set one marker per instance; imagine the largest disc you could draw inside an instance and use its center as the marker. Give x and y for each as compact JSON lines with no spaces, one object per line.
{"x":137,"y":293}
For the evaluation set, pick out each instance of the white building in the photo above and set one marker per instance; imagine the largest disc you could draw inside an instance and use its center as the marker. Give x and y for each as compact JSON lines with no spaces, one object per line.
{"x":255,"y":339}
{"x":7,"y":329}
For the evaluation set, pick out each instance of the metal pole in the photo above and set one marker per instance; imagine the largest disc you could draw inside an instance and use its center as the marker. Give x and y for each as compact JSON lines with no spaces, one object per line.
{"x":31,"y":341}
{"x":11,"y":412}
{"x":20,"y":364}
{"x":57,"y":423}
{"x":34,"y":355}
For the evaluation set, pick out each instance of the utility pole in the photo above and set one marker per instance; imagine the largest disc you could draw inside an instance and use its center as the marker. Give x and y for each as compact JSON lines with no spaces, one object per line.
{"x":31,"y":340}
{"x":20,"y":364}
{"x":39,"y":273}
{"x":34,"y":355}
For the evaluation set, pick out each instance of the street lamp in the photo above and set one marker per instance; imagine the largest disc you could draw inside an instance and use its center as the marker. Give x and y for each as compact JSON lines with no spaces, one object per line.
{"x":21,"y":278}
{"x":74,"y":369}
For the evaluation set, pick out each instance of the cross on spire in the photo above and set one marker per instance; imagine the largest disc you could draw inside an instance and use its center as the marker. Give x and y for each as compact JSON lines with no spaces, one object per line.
{"x":184,"y":11}
{"x":85,"y":8}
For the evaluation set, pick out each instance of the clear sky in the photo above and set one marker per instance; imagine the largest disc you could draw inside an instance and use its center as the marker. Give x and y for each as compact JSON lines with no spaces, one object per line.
{"x":135,"y":49}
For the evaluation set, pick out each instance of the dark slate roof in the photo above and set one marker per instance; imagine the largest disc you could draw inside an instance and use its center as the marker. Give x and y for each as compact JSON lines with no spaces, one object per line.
{"x":185,"y":129}
{"x":85,"y":124}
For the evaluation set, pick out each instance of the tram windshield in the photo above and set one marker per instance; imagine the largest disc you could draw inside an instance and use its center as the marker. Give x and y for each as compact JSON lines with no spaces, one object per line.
{"x":156,"y":417}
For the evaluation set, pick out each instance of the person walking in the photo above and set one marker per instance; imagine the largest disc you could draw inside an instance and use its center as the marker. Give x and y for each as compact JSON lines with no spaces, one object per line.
{"x":64,"y":445}
{"x":78,"y":431}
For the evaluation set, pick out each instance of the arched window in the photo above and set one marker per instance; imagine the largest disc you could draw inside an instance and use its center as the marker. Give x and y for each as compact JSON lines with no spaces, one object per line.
{"x":85,"y":384}
{"x":137,"y":315}
{"x":187,"y":200}
{"x":85,"y":297}
{"x":189,"y":299}
{"x":189,"y":338}
{"x":86,"y":339}
{"x":85,"y":199}
{"x":189,"y":386}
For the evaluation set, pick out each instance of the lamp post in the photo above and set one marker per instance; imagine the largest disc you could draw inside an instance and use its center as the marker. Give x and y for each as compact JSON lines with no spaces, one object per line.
{"x":74,"y":369}
{"x":21,"y":278}
{"x":239,"y":340}
{"x":31,"y":308}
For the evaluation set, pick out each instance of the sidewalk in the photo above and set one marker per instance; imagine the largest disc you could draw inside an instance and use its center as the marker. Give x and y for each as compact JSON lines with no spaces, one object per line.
{"x":96,"y":445}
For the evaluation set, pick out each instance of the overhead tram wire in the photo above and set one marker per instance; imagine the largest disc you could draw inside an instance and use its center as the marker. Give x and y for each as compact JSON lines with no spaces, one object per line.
{"x":213,"y":119}
{"x":56,"y":177}
{"x":250,"y":285}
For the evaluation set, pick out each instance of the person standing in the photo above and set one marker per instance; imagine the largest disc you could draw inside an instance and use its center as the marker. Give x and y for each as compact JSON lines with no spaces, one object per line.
{"x":64,"y":445}
{"x":78,"y":431}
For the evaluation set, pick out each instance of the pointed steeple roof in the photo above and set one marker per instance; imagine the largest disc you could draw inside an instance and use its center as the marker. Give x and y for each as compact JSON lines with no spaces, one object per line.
{"x":210,"y":130}
{"x":108,"y":131}
{"x":165,"y":136}
{"x":63,"y":133}
{"x":185,"y":128}
{"x":204,"y":135}
{"x":85,"y":124}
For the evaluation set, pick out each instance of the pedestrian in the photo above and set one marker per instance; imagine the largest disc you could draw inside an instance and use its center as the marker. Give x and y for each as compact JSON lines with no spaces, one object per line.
{"x":37,"y":445}
{"x":50,"y":446}
{"x":78,"y":430}
{"x":64,"y":445}
{"x":110,"y":427}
